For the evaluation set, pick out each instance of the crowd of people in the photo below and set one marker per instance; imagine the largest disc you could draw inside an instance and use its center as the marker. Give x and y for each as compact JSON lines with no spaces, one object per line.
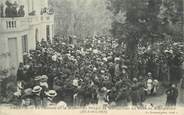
{"x":16,"y":10}
{"x":12,"y":10}
{"x":95,"y":73}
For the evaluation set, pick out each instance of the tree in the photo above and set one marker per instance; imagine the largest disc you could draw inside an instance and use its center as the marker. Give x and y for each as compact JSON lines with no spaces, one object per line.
{"x":143,"y":23}
{"x":82,"y":18}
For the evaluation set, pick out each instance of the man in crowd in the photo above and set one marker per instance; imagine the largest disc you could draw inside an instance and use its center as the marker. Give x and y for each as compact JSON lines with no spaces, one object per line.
{"x":21,"y":12}
{"x":11,"y":10}
{"x":172,"y":94}
{"x":1,"y":10}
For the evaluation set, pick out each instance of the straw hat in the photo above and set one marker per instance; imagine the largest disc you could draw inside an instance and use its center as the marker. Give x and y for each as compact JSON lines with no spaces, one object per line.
{"x":117,"y":59}
{"x":168,"y":51}
{"x":37,"y":78}
{"x":44,"y":78}
{"x":51,"y":93}
{"x":102,"y":71}
{"x":135,"y":79}
{"x":124,"y":67}
{"x":37,"y":89}
{"x":28,"y":91}
{"x":149,"y":73}
{"x":103,"y":89}
{"x":17,"y":94}
{"x":44,"y":84}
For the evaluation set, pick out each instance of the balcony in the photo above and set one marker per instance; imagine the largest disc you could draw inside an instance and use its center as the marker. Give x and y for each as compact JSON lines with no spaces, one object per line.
{"x":23,"y":23}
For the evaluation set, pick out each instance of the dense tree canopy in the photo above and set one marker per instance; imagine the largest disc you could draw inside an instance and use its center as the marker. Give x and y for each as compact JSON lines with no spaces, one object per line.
{"x":82,"y":18}
{"x":144,"y":23}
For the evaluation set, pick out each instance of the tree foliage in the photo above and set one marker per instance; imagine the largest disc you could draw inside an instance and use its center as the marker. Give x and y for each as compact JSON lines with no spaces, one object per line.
{"x":142,"y":23}
{"x":82,"y":18}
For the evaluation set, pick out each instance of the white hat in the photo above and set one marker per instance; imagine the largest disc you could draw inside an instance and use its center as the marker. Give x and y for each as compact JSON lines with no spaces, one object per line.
{"x":95,"y":51}
{"x":37,"y":78}
{"x":51,"y":93}
{"x":28,"y":91}
{"x":75,"y":82}
{"x":117,"y":59}
{"x":44,"y":78}
{"x":105,"y":59}
{"x":124,"y":67}
{"x":102,"y":71}
{"x":168,"y":51}
{"x":104,"y":89}
{"x":149,"y":73}
{"x":94,"y":69}
{"x":54,"y":57}
{"x":17,"y":94}
{"x":44,"y":84}
{"x":37,"y":89}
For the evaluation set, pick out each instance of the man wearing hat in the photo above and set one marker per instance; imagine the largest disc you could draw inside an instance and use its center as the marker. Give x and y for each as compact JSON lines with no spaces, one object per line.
{"x":101,"y":95}
{"x":8,"y":10}
{"x":117,"y":70}
{"x":172,"y":94}
{"x":111,"y":70}
{"x":1,"y":9}
{"x":51,"y":94}
{"x":112,"y":95}
{"x":27,"y":98}
{"x":122,"y":96}
{"x":37,"y":96}
{"x":37,"y":80}
{"x":14,"y":9}
{"x":21,"y":12}
{"x":20,"y":76}
{"x":142,"y":85}
{"x":135,"y":96}
{"x":124,"y":74}
{"x":44,"y":86}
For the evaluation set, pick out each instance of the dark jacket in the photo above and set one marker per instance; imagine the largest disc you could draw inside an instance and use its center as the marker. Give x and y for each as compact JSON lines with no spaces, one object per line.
{"x":172,"y":94}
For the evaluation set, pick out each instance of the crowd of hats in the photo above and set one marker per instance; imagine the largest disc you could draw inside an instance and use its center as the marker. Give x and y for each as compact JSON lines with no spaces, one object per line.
{"x":59,"y":66}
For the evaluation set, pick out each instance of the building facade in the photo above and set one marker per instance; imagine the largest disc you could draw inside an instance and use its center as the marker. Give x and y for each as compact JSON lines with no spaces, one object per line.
{"x":18,"y":35}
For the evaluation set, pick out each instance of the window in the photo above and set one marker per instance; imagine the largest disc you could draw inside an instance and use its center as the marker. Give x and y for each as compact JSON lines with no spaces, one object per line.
{"x":48,"y":32}
{"x":24,"y":44}
{"x":36,"y":35}
{"x":52,"y":30}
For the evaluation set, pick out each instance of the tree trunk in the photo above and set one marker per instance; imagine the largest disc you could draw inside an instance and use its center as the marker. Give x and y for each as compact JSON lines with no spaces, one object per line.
{"x":131,"y":52}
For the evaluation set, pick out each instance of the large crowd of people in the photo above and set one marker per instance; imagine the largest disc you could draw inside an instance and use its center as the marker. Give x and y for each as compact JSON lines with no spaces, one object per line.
{"x":94,"y":73}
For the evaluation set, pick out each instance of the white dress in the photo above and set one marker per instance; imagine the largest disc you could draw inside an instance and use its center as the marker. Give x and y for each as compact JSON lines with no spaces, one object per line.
{"x":149,"y":85}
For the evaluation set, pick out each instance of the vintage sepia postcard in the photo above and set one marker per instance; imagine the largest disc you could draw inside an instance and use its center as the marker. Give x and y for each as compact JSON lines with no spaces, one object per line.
{"x":91,"y":57}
